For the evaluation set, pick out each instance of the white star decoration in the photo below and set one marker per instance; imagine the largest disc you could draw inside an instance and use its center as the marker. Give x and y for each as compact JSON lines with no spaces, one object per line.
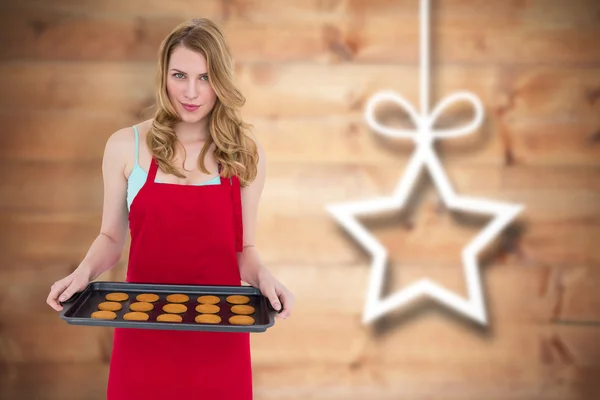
{"x":424,"y":156}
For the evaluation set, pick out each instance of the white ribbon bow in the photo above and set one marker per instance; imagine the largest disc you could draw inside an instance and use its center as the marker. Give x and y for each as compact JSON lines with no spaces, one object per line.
{"x":424,"y":132}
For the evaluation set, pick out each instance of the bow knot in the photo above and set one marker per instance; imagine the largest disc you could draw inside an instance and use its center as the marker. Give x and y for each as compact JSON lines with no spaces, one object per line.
{"x":424,"y":131}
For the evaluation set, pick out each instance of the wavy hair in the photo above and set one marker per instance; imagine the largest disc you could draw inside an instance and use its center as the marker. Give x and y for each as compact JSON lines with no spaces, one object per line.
{"x":236,"y":151}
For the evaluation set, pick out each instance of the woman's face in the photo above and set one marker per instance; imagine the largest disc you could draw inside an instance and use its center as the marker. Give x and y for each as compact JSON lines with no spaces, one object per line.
{"x":187,"y":85}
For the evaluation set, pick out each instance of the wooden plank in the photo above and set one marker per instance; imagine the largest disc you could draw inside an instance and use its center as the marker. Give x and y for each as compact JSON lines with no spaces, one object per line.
{"x":315,"y":240}
{"x":515,"y":295}
{"x":398,"y":339}
{"x":440,"y":380}
{"x":306,"y":189}
{"x":72,"y":136}
{"x":51,"y":35}
{"x":340,"y":289}
{"x":347,"y":35}
{"x":36,"y":280}
{"x":20,"y":337}
{"x":48,"y":381}
{"x":61,"y":239}
{"x":214,"y":9}
{"x":577,"y":294}
{"x":535,"y":94}
{"x":531,"y":93}
{"x":329,"y":298}
{"x":406,"y":337}
{"x":552,"y":13}
{"x":97,"y":88}
{"x":347,"y":140}
{"x":45,"y":337}
{"x":350,"y":141}
{"x":558,"y":226}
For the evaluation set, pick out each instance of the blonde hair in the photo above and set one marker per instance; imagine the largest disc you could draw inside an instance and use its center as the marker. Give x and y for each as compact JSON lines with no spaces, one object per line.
{"x":236,"y":151}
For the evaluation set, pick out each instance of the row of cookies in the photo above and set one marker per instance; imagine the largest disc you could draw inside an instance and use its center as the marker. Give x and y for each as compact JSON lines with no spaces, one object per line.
{"x":207,"y":308}
{"x":178,"y":298}
{"x":174,"y":317}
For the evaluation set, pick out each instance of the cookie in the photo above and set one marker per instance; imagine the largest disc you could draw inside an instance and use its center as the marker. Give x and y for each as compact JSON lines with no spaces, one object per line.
{"x":147,"y":297}
{"x":208,"y":299}
{"x":117,"y":296}
{"x":174,"y":308}
{"x":177,"y":298}
{"x":207,"y":308}
{"x":207,"y":319}
{"x":238,"y":299}
{"x":136,"y":316}
{"x":169,"y":318}
{"x":242,"y":310}
{"x":241,"y":320}
{"x":109,"y":306}
{"x":104,"y":315}
{"x":141,"y":306}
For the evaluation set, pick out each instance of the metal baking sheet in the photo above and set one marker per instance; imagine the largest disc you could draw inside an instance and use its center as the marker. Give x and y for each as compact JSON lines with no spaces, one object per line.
{"x":79,"y":308}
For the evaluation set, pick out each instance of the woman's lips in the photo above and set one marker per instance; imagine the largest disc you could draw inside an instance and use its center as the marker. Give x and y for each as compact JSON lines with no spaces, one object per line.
{"x":190,"y":107}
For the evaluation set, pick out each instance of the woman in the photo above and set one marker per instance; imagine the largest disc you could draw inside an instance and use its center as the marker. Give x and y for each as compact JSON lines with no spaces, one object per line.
{"x":192,"y":228}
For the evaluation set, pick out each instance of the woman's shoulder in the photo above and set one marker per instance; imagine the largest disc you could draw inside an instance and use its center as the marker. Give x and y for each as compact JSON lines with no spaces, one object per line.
{"x":121,"y":145}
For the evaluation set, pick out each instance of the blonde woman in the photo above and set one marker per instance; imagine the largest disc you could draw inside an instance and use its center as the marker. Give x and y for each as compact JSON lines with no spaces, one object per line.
{"x":188,"y":182}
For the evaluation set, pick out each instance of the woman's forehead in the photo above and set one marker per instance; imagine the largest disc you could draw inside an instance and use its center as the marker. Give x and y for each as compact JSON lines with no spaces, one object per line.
{"x":189,"y":61}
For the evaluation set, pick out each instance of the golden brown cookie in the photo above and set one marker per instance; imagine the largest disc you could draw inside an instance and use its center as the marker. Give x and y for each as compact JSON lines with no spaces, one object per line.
{"x":109,"y":306}
{"x":177,"y":298}
{"x":209,"y":299}
{"x":117,"y":296}
{"x":169,"y":318}
{"x":207,"y":319}
{"x":104,"y":315}
{"x":241,"y":320}
{"x":147,"y":297}
{"x":141,"y":306}
{"x":207,"y":308}
{"x":174,"y":308}
{"x":238,"y":299}
{"x":136,"y":316}
{"x":242,"y":310}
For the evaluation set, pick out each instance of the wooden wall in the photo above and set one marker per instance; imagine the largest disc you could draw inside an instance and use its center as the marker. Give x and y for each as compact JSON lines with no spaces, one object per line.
{"x":74,"y":71}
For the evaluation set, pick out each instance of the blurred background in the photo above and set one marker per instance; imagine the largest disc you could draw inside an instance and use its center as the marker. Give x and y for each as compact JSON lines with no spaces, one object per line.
{"x":72,"y":72}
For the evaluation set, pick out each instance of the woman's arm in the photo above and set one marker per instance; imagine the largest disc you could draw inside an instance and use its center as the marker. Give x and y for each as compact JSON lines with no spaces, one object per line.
{"x":251,"y":267}
{"x":107,"y":248}
{"x":250,"y":199}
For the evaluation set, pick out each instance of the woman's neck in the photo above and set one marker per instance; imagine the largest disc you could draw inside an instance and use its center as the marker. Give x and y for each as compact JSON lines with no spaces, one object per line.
{"x":192,"y":132}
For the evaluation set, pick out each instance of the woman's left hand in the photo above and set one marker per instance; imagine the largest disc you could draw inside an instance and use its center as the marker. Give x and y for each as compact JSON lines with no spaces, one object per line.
{"x":276,"y":292}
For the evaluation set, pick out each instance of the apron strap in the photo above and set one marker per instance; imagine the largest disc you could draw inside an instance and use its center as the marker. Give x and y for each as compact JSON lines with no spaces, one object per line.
{"x":236,"y":197}
{"x":153,"y":169}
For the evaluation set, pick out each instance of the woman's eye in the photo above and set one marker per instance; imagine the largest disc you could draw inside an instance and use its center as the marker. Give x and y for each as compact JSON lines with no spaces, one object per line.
{"x":176,"y":75}
{"x":204,"y":77}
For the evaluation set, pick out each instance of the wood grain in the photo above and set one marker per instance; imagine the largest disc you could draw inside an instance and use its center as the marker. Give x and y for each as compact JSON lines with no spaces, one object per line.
{"x":320,"y":382}
{"x":81,"y":137}
{"x":333,"y":296}
{"x":551,"y":94}
{"x":351,"y":34}
{"x":74,"y":72}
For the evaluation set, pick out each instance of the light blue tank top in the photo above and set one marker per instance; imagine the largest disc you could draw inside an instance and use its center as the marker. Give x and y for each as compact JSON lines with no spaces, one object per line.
{"x":138,"y":176}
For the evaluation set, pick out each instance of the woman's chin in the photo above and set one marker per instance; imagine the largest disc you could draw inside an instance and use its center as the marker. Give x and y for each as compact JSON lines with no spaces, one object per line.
{"x":190,"y":118}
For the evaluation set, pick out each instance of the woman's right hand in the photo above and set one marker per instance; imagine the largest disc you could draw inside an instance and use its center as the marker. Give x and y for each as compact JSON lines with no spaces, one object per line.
{"x":65,"y":288}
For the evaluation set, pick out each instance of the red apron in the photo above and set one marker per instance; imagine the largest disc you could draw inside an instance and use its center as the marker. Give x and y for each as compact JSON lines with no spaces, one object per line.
{"x":183,"y":234}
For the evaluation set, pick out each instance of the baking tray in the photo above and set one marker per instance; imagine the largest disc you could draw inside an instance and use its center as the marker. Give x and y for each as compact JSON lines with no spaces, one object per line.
{"x":78,"y":309}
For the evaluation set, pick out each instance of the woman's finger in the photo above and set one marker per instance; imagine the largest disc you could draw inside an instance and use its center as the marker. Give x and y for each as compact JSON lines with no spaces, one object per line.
{"x":77,"y":285}
{"x":271,"y":294}
{"x":287,"y":298}
{"x":56,"y":290}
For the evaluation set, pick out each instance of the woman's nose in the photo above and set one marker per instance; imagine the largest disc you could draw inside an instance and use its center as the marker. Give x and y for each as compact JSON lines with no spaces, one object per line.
{"x":191,"y":90}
